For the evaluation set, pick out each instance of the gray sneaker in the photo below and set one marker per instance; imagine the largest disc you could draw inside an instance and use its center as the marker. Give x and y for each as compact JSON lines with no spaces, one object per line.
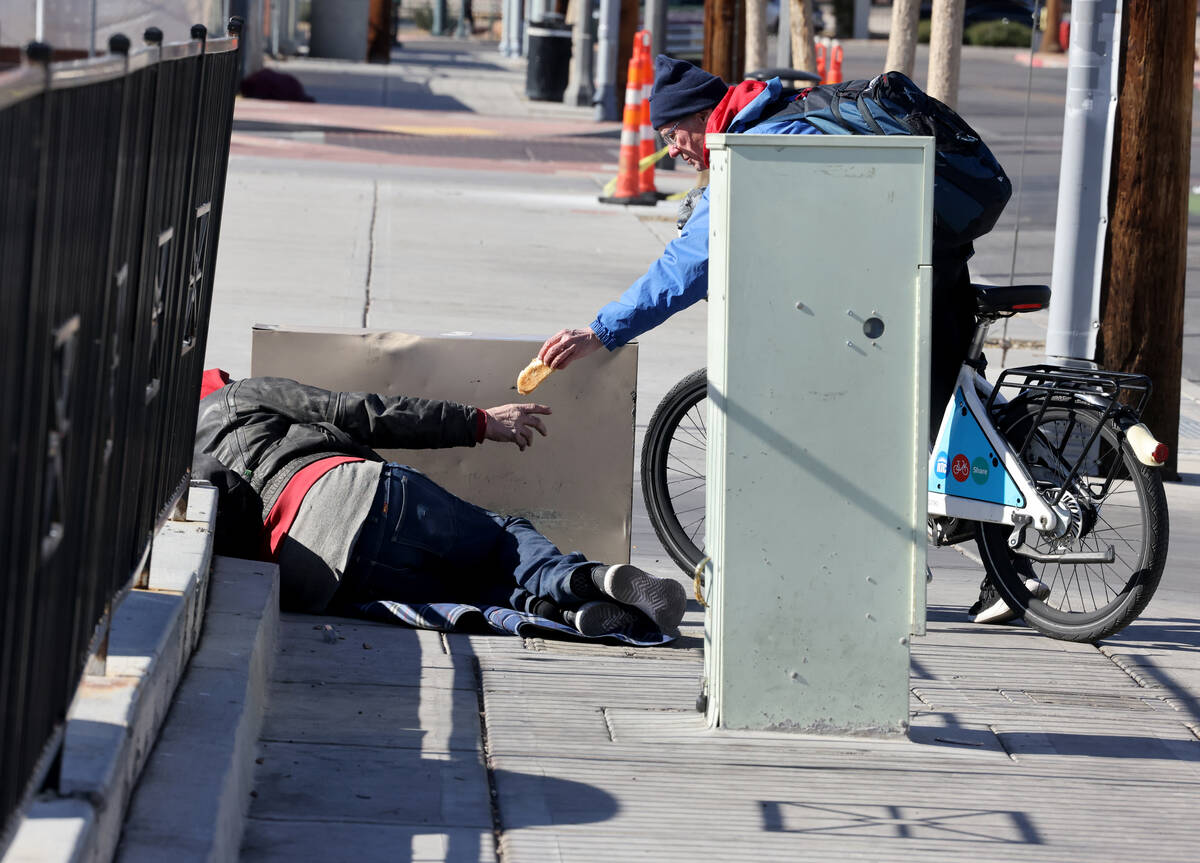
{"x":601,"y":618}
{"x":663,"y":600}
{"x":991,"y":607}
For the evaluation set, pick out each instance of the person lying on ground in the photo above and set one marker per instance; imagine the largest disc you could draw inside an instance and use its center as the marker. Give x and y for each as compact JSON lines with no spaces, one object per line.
{"x":301,"y":484}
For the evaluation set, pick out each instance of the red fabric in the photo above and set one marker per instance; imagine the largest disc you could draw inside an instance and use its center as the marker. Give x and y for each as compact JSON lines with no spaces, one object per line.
{"x":283,"y":513}
{"x":735,"y":100}
{"x":212,"y":381}
{"x":481,"y":419}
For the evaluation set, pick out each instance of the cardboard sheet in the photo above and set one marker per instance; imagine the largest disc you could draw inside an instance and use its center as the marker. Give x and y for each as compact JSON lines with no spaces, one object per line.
{"x":575,"y":485}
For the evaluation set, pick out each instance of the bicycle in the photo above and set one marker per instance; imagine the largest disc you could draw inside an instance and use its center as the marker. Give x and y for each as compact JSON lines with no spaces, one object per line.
{"x":1049,"y":470}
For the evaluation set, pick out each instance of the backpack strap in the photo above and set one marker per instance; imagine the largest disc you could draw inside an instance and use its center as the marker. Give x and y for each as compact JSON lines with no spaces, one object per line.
{"x":868,"y":118}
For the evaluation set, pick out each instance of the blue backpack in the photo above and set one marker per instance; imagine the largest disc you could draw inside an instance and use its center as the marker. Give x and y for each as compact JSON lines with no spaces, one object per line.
{"x":970,"y":188}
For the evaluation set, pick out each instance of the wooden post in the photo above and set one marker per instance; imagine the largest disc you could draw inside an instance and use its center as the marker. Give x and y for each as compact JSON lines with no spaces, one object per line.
{"x":902,"y":40}
{"x":945,"y":50}
{"x":1142,"y":289}
{"x":756,"y":34}
{"x":723,"y":42}
{"x":804,"y":52}
{"x":625,"y":31}
{"x":1053,"y":17}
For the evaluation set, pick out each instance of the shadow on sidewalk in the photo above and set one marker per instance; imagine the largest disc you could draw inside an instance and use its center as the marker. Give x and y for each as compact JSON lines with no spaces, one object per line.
{"x":373,"y":89}
{"x":374,"y":747}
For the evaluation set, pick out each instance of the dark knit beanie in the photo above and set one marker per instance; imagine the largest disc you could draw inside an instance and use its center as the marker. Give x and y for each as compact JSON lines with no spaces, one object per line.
{"x":681,"y":89}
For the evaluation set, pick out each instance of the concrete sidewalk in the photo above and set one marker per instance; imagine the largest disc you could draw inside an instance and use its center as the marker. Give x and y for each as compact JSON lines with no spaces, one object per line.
{"x":382,"y":743}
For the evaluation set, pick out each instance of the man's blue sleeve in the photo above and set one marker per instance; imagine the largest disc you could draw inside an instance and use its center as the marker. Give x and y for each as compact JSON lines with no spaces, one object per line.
{"x":678,"y":279}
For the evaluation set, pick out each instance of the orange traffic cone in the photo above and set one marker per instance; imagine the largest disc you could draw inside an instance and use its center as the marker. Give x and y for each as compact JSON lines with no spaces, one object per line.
{"x":819,"y":48}
{"x":646,"y":147}
{"x":626,"y":191}
{"x":835,"y":63}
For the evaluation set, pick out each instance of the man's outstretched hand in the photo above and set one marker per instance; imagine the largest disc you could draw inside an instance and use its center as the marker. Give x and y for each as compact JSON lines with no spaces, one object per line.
{"x":515,"y":423}
{"x":566,"y":346}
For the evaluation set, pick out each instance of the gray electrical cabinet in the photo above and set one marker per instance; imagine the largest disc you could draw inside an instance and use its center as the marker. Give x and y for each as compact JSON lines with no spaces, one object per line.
{"x":818,"y":365}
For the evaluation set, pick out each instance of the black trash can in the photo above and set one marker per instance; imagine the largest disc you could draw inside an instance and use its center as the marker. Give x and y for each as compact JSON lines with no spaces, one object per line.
{"x":549,"y":60}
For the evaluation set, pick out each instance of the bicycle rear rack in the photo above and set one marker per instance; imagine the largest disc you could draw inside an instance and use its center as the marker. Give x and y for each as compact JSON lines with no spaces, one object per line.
{"x":1066,"y":387}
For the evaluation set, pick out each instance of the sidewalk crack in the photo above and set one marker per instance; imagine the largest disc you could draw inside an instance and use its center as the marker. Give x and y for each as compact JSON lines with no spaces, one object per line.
{"x":370,"y":253}
{"x":489,"y":764}
{"x":612,"y":738}
{"x":1000,"y":739}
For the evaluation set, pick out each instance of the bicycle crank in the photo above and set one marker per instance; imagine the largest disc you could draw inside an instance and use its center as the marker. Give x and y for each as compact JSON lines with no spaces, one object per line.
{"x":1026,"y":550}
{"x":1078,"y":520}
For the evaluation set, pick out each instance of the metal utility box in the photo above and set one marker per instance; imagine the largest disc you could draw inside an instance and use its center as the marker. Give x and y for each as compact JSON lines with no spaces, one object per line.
{"x":818,"y":365}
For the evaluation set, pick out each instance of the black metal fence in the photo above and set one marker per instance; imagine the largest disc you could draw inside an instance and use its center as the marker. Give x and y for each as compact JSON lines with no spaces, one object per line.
{"x":112,"y":173}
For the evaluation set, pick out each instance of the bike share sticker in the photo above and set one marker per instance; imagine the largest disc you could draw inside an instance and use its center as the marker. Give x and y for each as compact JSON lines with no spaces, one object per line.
{"x":965,"y":465}
{"x":939,"y":466}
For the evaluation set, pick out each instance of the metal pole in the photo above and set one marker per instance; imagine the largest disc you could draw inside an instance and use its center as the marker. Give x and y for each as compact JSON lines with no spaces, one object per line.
{"x":510,"y":45}
{"x":439,"y":17}
{"x":656,"y":23}
{"x":1082,"y":220}
{"x":464,"y":13}
{"x":39,"y":21}
{"x":783,"y":43}
{"x":583,"y":65}
{"x":862,"y":14}
{"x":606,"y":75}
{"x":505,"y":25}
{"x":528,"y":16}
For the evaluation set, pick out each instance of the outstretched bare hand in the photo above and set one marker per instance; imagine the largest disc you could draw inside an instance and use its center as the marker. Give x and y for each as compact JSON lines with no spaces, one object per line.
{"x":515,"y":423}
{"x":566,"y":346}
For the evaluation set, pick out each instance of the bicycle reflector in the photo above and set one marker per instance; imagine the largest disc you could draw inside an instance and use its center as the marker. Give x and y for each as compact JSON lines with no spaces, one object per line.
{"x":1027,"y":307}
{"x":1149,"y":451}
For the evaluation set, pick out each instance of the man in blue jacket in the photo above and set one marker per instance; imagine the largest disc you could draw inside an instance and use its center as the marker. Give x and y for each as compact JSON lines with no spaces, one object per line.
{"x":686,"y":105}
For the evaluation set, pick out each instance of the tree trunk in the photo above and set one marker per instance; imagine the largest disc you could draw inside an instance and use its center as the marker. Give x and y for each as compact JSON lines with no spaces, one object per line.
{"x":723,"y":42}
{"x":902,"y":41}
{"x":945,"y":50}
{"x":1053,"y":17}
{"x":756,"y":34}
{"x":1142,"y":290}
{"x":804,"y":50}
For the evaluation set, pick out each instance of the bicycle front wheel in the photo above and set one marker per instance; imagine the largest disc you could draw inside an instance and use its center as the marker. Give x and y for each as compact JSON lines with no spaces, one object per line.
{"x":674,"y":470}
{"x":1114,"y":501}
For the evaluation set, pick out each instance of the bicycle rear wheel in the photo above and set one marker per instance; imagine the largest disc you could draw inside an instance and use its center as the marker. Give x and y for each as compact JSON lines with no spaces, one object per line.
{"x":1115,"y":501}
{"x":673,"y":469}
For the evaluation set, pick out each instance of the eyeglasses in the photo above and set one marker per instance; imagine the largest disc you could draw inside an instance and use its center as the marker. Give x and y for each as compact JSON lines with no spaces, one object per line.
{"x":669,"y":135}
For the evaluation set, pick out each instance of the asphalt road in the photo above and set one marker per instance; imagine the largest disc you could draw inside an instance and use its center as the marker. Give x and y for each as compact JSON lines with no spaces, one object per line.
{"x":1019,"y":114}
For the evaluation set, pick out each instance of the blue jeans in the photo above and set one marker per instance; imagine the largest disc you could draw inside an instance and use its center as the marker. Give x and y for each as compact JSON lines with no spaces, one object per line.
{"x":422,"y":544}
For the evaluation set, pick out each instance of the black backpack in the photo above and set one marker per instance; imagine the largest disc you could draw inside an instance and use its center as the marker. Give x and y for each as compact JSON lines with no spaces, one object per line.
{"x":970,"y":188}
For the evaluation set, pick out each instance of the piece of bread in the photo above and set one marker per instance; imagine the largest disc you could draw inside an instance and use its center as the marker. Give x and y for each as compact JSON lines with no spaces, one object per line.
{"x":532,"y":375}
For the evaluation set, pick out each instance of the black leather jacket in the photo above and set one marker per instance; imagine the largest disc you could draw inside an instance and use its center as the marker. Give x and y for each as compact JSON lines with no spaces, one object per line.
{"x":260,"y":431}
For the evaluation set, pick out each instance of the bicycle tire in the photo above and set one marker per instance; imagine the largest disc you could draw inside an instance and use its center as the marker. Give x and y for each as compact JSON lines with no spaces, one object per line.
{"x":1087,"y":602}
{"x":673,"y":469}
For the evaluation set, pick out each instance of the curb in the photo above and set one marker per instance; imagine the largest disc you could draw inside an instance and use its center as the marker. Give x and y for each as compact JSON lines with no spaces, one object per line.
{"x":115,"y":718}
{"x":192,"y":801}
{"x":1042,"y":61}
